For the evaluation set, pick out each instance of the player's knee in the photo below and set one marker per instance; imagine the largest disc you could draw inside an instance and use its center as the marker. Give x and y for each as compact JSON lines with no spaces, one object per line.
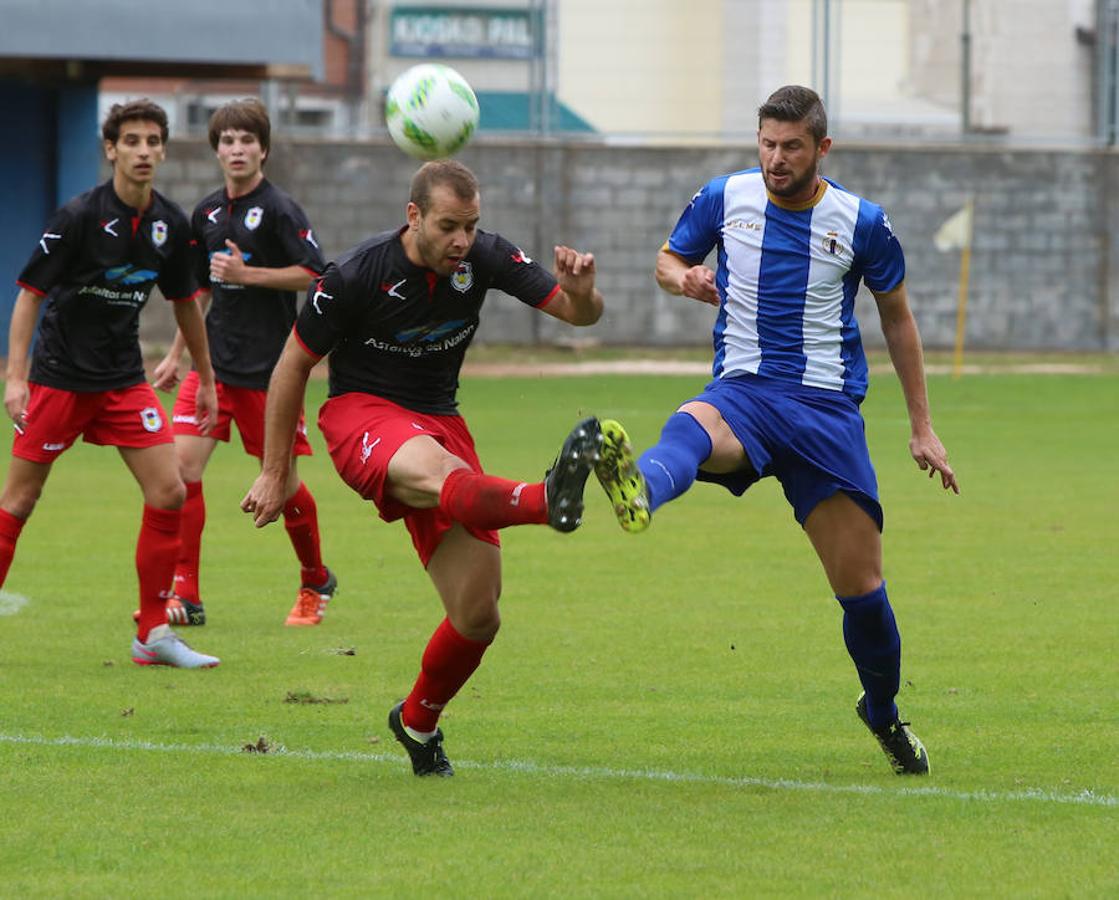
{"x":20,"y":500}
{"x":171,"y":495}
{"x":479,"y":621}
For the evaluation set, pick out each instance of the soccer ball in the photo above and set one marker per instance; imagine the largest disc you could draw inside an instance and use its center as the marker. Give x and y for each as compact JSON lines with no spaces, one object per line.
{"x":431,"y":111}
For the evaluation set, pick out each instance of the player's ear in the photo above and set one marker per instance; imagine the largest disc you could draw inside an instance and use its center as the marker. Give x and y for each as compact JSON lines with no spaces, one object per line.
{"x":414,"y":215}
{"x":110,"y":151}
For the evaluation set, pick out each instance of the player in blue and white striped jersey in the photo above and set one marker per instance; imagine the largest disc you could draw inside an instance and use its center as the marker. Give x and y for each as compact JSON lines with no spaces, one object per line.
{"x":789,"y":374}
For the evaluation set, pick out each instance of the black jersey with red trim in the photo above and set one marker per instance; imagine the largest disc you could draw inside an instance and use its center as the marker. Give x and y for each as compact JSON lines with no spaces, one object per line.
{"x":398,"y":330}
{"x":247,"y":325}
{"x":96,"y":264}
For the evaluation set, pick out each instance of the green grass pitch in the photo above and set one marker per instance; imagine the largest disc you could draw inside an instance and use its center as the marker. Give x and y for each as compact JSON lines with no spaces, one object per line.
{"x":663,"y":715}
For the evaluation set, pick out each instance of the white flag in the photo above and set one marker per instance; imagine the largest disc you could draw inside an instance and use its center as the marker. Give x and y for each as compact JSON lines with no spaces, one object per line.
{"x":955,"y":233}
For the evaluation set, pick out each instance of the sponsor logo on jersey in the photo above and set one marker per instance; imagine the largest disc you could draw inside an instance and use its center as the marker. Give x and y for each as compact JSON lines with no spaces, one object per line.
{"x":253,"y":217}
{"x":744,"y":225}
{"x":184,"y":420}
{"x":107,"y":227}
{"x":159,"y":232}
{"x":521,"y":257}
{"x":393,"y":289}
{"x":417,"y":342}
{"x":462,"y":279}
{"x":427,"y":334}
{"x":54,"y":447}
{"x":212,"y":215}
{"x":151,"y":419}
{"x":48,"y":236}
{"x":309,"y":236}
{"x":129,"y":274}
{"x":319,"y":294}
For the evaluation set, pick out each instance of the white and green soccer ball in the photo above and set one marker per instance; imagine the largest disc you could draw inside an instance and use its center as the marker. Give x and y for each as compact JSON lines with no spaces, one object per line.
{"x":431,"y":111}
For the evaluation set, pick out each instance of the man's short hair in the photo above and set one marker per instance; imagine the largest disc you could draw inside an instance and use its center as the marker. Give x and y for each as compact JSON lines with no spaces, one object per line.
{"x":793,"y":103}
{"x":447,"y":172}
{"x":143,"y":110}
{"x":242,"y":115}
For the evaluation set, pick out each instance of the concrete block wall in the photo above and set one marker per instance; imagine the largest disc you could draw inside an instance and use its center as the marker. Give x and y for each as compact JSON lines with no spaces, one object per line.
{"x":1042,"y":272}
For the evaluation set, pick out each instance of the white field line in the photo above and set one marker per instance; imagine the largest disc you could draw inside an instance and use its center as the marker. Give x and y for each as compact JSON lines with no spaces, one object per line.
{"x":11,"y":603}
{"x":589,"y":773}
{"x":695,"y":367}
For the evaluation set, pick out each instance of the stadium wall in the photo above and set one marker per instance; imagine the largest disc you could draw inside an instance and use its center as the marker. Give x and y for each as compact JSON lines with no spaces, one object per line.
{"x":1044,"y":265}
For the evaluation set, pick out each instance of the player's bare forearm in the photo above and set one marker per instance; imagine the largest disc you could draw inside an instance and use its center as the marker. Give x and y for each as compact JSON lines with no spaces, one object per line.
{"x":265,"y":499}
{"x":288,"y":278}
{"x":192,"y":330}
{"x":679,"y":277}
{"x":286,"y":389}
{"x":16,"y":391}
{"x":904,"y":344}
{"x":578,"y":301}
{"x":20,"y":331}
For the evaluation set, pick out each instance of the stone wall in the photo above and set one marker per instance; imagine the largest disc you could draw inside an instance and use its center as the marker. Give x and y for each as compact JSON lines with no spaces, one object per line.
{"x":1046,"y":228}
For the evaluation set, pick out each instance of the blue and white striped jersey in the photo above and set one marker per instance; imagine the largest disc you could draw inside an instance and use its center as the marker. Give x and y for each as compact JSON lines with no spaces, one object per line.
{"x":787,"y":277}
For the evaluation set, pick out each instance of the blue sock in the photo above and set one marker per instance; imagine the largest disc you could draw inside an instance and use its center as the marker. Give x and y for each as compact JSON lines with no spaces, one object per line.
{"x":670,"y":465}
{"x":872,"y":639}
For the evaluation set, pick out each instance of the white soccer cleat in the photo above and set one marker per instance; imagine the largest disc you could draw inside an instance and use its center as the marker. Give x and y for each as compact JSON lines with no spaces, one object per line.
{"x":165,"y":648}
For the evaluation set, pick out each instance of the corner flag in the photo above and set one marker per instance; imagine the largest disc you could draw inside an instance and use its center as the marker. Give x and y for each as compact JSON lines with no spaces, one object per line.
{"x":955,"y":234}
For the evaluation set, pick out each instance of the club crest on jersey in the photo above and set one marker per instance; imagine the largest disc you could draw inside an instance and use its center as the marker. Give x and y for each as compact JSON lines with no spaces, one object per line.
{"x":159,"y":232}
{"x":831,"y":244}
{"x":462,"y":279}
{"x":253,"y":217}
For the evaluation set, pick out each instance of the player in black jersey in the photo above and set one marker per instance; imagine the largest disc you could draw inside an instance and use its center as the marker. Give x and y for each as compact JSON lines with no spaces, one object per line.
{"x":254,"y":249}
{"x":396,"y":315}
{"x":96,"y":265}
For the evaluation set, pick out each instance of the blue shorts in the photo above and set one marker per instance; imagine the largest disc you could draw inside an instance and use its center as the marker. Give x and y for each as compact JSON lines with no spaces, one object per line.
{"x":811,"y":440}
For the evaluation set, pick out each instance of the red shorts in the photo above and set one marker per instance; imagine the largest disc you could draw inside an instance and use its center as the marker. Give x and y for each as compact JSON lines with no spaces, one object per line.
{"x":245,"y":406}
{"x":126,"y":417}
{"x":363,"y":433}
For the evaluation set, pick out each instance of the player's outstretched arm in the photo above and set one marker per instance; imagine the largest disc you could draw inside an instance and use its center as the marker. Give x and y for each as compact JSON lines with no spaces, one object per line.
{"x":678,"y":276}
{"x":265,"y":499}
{"x":578,"y":302}
{"x":904,"y":343}
{"x":22,"y":328}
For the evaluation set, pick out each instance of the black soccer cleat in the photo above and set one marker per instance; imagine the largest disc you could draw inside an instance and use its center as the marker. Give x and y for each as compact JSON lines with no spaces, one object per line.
{"x":427,"y":758}
{"x":180,"y":612}
{"x":904,"y":750}
{"x":565,"y":480}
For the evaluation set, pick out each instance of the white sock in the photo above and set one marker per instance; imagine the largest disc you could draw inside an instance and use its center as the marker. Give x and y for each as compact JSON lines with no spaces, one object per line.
{"x":422,"y":736}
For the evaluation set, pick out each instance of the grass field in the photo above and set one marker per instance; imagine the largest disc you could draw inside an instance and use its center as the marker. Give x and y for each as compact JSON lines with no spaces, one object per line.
{"x":668,"y":714}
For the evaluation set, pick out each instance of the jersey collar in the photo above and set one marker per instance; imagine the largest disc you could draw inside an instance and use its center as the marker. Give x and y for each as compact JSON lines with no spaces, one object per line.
{"x":821,"y":188}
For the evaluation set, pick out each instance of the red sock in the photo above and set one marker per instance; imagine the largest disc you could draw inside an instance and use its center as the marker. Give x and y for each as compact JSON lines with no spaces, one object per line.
{"x":485,"y":501}
{"x":156,"y":550}
{"x":10,"y":527}
{"x":190,"y":543}
{"x":449,"y":660}
{"x":301,"y":519}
